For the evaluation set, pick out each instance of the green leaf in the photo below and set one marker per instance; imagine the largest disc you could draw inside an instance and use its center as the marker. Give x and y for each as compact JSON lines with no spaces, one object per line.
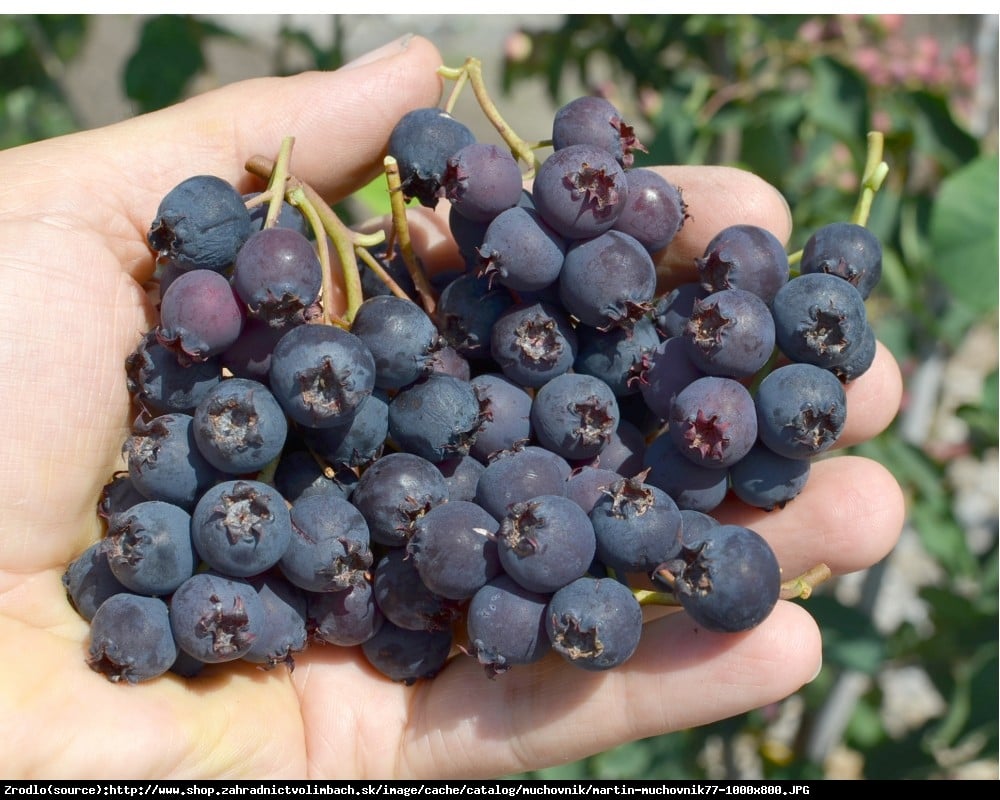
{"x":963,"y":234}
{"x":838,"y":102}
{"x":168,"y":56}
{"x":850,"y":639}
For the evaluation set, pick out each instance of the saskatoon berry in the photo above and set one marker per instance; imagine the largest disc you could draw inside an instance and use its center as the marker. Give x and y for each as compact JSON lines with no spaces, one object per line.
{"x":594,"y":623}
{"x":454,"y":549}
{"x":161,"y":384}
{"x":241,"y":527}
{"x":589,"y":484}
{"x":608,"y":280}
{"x":505,"y":409}
{"x":595,"y":121}
{"x":320,"y":374}
{"x":467,"y":311}
{"x":422,"y":142}
{"x":400,"y":336}
{"x":250,"y":355}
{"x":580,"y":191}
{"x":801,"y":410}
{"x":819,"y":319}
{"x":461,"y":476}
{"x":164,"y":462}
{"x":299,"y":475}
{"x":669,"y":369}
{"x":616,"y":356}
{"x":130,"y":639}
{"x":520,"y":251}
{"x":744,"y":257}
{"x":284,"y":629}
{"x":278,"y":276}
{"x":691,"y":486}
{"x":89,"y":581}
{"x":847,"y":250}
{"x":481,"y":180}
{"x":435,"y":418}
{"x":200,"y":316}
{"x":728,"y":580}
{"x":216,"y":618}
{"x":637,"y":526}
{"x":118,"y":494}
{"x":673,"y":309}
{"x":860,"y":359}
{"x":394,"y":492}
{"x":149,"y":547}
{"x":713,"y":422}
{"x":200,"y":224}
{"x":329,"y":547}
{"x":239,"y":426}
{"x":404,"y":599}
{"x":289,"y":216}
{"x":506,"y":625}
{"x":764,"y":479}
{"x":623,"y":453}
{"x":517,"y":475}
{"x":545,"y":542}
{"x":357,"y":443}
{"x":346,"y":618}
{"x":533,"y":342}
{"x":574,"y":415}
{"x":730,"y":333}
{"x":407,"y":656}
{"x":654,"y":211}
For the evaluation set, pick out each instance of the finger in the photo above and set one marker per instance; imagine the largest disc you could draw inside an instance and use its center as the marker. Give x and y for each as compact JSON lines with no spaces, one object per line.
{"x":873,"y":399}
{"x":716,"y":198}
{"x":340,"y":120}
{"x":849,"y":516}
{"x":553,"y":712}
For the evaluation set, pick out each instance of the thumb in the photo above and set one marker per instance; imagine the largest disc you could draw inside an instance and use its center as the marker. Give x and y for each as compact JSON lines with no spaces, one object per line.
{"x":340,"y":120}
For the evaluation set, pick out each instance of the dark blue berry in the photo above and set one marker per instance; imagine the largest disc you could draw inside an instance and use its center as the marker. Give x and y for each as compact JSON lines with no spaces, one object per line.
{"x":200,"y":224}
{"x":241,"y":527}
{"x":594,"y":623}
{"x":130,"y":639}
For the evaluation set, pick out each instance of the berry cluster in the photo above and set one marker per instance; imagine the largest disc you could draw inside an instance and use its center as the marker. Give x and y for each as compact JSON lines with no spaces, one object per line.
{"x":490,"y":475}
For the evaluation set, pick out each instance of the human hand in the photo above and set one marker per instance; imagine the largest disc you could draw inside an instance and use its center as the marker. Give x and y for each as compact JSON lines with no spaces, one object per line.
{"x":73,"y":261}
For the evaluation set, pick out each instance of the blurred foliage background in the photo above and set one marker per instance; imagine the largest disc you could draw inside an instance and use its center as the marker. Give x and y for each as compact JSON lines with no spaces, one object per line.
{"x":910,"y":676}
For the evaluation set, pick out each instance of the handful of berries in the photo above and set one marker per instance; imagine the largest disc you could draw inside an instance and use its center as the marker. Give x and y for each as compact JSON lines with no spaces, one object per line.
{"x":493,"y":464}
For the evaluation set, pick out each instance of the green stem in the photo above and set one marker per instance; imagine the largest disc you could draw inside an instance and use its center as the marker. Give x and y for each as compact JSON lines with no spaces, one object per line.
{"x":801,"y":587}
{"x":647,"y":597}
{"x":872,"y":178}
{"x":379,"y":270}
{"x":297,"y":197}
{"x":401,"y":234}
{"x":279,"y":175}
{"x":472,"y":71}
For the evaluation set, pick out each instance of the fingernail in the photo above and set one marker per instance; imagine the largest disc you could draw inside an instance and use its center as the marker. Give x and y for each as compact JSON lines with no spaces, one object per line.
{"x":819,"y":669}
{"x":385,"y":51}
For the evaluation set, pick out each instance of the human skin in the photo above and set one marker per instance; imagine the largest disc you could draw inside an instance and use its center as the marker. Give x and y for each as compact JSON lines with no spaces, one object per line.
{"x":74,"y":301}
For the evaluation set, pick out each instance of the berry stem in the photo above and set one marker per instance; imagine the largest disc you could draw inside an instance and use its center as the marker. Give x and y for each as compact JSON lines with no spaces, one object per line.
{"x":278,"y":177}
{"x":472,"y":71}
{"x":401,"y":235}
{"x":379,"y":270}
{"x":802,"y":587}
{"x":648,"y":597}
{"x":872,"y":178}
{"x":298,"y":198}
